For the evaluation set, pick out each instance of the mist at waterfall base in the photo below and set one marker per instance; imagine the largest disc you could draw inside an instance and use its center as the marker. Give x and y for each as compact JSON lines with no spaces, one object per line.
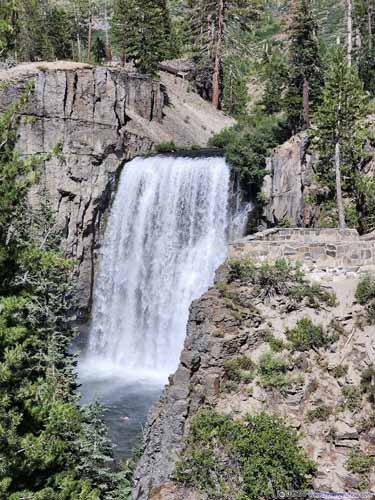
{"x":166,"y":235}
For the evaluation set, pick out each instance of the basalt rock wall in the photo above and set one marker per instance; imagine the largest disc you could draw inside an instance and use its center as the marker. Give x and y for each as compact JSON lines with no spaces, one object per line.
{"x":101,"y":117}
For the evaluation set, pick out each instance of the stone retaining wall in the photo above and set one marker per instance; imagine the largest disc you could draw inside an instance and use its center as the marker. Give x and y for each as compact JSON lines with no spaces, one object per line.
{"x":302,"y":234}
{"x":325,"y":248}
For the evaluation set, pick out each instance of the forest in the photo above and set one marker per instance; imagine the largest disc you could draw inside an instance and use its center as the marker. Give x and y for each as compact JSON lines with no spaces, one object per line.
{"x":279,"y":68}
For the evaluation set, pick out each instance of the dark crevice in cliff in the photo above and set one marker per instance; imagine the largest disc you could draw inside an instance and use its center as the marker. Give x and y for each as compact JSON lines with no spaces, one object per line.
{"x":65,"y":94}
{"x":75,"y":86}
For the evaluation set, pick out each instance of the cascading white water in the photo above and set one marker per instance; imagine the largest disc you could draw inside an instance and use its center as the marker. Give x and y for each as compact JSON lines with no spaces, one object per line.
{"x":167,"y":234}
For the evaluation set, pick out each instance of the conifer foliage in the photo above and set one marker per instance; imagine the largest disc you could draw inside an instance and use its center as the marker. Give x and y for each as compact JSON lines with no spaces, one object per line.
{"x":338,"y":133}
{"x":141,"y":31}
{"x":305,"y":79}
{"x":45,"y":452}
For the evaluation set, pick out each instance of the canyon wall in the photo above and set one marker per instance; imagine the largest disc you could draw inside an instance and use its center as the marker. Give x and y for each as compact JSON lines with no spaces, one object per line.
{"x":231,"y":320}
{"x":101,"y":117}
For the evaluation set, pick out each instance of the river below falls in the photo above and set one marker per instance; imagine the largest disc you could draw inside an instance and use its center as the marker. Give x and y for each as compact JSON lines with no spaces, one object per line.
{"x":126,"y":405}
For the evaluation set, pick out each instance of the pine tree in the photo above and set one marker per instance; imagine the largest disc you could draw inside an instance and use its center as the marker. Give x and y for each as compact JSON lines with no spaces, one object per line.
{"x":338,"y":130}
{"x":364,"y":24}
{"x":305,"y":66}
{"x":32,"y":41}
{"x":141,"y":32}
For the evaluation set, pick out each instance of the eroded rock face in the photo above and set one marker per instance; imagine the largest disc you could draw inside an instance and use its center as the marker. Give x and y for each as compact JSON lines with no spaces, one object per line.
{"x":101,"y":117}
{"x":232,"y":320}
{"x":284,"y":189}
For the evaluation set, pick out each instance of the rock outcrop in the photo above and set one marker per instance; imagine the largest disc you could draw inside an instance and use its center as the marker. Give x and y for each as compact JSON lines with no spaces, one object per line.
{"x":101,"y":117}
{"x":324,"y":403}
{"x":284,"y":189}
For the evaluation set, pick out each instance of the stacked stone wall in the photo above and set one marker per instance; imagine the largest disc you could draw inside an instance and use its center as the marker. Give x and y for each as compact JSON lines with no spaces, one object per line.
{"x":315,"y":248}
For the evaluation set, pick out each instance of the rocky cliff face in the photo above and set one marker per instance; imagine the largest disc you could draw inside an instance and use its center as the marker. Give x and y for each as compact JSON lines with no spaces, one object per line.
{"x":102,"y":117}
{"x":322,"y":398}
{"x":287,"y":184}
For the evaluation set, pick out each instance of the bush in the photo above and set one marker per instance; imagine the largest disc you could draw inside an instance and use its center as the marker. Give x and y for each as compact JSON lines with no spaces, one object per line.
{"x":276,"y":344}
{"x":305,"y":336}
{"x":166,"y":147}
{"x":272,"y":279}
{"x":365,"y":295}
{"x":352,"y":397}
{"x":248,"y":144}
{"x":255,"y":457}
{"x":239,"y":369}
{"x":359,"y":462}
{"x":280,"y":278}
{"x":321,"y":412}
{"x":340,"y":371}
{"x":314,"y":294}
{"x":368,"y":383}
{"x":273,"y":372}
{"x":366,"y":290}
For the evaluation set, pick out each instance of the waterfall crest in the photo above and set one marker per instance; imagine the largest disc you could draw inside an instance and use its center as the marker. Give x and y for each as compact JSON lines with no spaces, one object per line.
{"x":166,"y":236}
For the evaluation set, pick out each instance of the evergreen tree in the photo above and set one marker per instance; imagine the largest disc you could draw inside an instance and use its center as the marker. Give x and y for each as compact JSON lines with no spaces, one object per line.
{"x":32,"y":41}
{"x":141,"y":32}
{"x":60,"y":32}
{"x":305,"y":66}
{"x":338,"y":129}
{"x":43,"y":431}
{"x":364,"y":23}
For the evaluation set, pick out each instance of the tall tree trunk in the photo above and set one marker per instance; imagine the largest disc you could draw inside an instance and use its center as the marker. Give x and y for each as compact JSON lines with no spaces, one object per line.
{"x":217,"y":63}
{"x":369,"y":22}
{"x":79,"y":48}
{"x":108,"y":51}
{"x":350,"y":30}
{"x":340,"y":205}
{"x":89,"y":43}
{"x":306,"y":103}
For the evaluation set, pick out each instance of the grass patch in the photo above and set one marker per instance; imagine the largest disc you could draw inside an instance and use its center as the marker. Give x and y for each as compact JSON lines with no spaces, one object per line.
{"x":254,"y":458}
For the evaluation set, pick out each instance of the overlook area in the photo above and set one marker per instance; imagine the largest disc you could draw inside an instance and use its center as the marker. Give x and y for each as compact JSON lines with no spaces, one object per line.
{"x":187,"y":249}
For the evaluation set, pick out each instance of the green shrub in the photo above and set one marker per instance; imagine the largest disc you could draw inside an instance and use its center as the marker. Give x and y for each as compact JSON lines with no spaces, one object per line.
{"x":365,"y":295}
{"x":314,"y":294}
{"x":272,"y":279}
{"x":368,"y":382}
{"x":280,"y":278}
{"x":239,"y":369}
{"x":352,"y":397}
{"x":273,"y":372}
{"x":321,"y":412}
{"x":230,"y":386}
{"x":248,"y":144}
{"x":254,"y":457}
{"x":366,"y":290}
{"x":305,"y":336}
{"x":339,"y":371}
{"x":359,"y":462}
{"x":166,"y":147}
{"x":276,"y":344}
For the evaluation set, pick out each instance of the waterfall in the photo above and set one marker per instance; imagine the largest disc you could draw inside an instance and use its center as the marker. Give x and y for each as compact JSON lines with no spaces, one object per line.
{"x":166,"y":236}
